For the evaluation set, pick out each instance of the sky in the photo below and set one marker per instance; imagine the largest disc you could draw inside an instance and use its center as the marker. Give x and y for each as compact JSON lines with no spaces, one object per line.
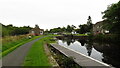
{"x":51,"y":13}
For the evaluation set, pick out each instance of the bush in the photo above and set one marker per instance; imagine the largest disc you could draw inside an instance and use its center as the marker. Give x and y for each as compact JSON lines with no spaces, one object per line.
{"x":113,"y":38}
{"x":68,"y":62}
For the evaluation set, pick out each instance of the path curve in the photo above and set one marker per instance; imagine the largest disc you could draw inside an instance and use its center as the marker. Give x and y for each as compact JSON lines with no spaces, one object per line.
{"x":16,"y":57}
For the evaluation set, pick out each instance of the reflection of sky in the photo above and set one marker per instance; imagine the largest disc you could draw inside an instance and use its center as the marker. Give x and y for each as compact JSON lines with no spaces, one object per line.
{"x":82,"y":49}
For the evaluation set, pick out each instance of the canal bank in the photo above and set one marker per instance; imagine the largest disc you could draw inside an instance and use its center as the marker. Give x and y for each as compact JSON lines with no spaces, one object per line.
{"x":104,"y":52}
{"x":79,"y":58}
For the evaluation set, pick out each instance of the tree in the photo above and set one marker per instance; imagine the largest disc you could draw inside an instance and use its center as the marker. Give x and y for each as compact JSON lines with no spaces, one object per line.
{"x":4,"y":30}
{"x":89,"y":24}
{"x":46,"y":31}
{"x":73,"y":27}
{"x":112,"y":18}
{"x":89,"y":21}
{"x":56,"y":30}
{"x":63,"y":29}
{"x":69,"y":29}
{"x":83,"y":28}
{"x":9,"y":30}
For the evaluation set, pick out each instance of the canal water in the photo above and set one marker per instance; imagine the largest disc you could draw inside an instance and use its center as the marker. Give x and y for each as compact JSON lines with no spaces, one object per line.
{"x":104,"y":52}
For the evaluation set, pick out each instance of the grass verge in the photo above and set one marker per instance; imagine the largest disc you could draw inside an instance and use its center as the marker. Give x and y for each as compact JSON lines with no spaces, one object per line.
{"x":81,"y":34}
{"x":37,"y":56}
{"x":10,"y":41}
{"x":4,"y":53}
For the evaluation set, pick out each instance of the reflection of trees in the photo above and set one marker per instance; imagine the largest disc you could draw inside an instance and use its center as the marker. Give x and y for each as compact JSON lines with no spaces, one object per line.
{"x":112,"y":59}
{"x":82,"y":42}
{"x":88,"y":45}
{"x":111,"y":53}
{"x":69,"y":40}
{"x":89,"y":48}
{"x":68,"y":43}
{"x":63,"y":40}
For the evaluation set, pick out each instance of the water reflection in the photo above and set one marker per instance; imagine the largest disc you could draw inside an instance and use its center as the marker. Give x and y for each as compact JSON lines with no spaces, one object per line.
{"x":89,"y":49}
{"x":88,"y":46}
{"x":111,"y":53}
{"x":68,"y":40}
{"x":108,"y":53}
{"x":82,"y":42}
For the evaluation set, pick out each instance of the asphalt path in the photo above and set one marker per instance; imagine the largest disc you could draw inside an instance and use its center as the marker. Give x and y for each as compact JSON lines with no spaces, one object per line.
{"x":17,"y":57}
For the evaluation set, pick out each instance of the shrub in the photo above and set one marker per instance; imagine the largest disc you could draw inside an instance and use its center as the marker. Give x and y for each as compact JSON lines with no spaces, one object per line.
{"x":106,"y":38}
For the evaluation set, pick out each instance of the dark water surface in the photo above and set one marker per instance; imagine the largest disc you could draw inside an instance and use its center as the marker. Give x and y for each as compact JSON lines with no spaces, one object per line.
{"x":104,"y":52}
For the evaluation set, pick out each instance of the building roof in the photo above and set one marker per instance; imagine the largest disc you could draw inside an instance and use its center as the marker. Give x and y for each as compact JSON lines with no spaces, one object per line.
{"x":100,"y":22}
{"x":36,"y":28}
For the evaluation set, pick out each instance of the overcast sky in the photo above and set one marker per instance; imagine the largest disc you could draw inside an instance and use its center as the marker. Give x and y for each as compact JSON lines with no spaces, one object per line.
{"x":51,"y":13}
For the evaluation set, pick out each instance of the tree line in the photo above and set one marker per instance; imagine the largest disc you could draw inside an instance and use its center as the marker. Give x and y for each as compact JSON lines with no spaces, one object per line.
{"x":111,"y":17}
{"x":10,"y":30}
{"x":85,"y":28}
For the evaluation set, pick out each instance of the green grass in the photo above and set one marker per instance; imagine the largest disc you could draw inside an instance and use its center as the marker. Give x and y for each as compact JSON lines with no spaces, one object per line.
{"x":12,"y":44}
{"x":10,"y":41}
{"x":81,"y":34}
{"x":37,"y":55}
{"x":16,"y":45}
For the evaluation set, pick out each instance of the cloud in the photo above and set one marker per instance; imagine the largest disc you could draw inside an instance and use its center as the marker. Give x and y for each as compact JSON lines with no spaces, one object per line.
{"x":51,"y":13}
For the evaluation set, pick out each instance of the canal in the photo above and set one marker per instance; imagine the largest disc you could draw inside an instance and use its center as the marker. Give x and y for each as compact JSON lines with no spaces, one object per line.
{"x":104,"y":52}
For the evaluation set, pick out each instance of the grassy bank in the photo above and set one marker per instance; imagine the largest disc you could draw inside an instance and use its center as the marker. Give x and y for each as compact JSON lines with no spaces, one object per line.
{"x":9,"y":41}
{"x":37,"y":55}
{"x":80,"y":34}
{"x":12,"y":45}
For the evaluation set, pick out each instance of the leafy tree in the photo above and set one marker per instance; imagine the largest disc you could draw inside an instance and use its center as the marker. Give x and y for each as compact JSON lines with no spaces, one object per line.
{"x":5,"y":32}
{"x":46,"y":31}
{"x":77,"y":30}
{"x":63,"y":29}
{"x":89,"y":23}
{"x":83,"y":29}
{"x":69,"y":28}
{"x":9,"y":30}
{"x":73,"y":27}
{"x":112,"y":18}
{"x":56,"y":30}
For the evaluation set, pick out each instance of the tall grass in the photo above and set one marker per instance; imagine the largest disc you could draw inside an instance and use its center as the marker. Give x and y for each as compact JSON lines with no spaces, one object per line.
{"x":13,"y":44}
{"x":10,"y":41}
